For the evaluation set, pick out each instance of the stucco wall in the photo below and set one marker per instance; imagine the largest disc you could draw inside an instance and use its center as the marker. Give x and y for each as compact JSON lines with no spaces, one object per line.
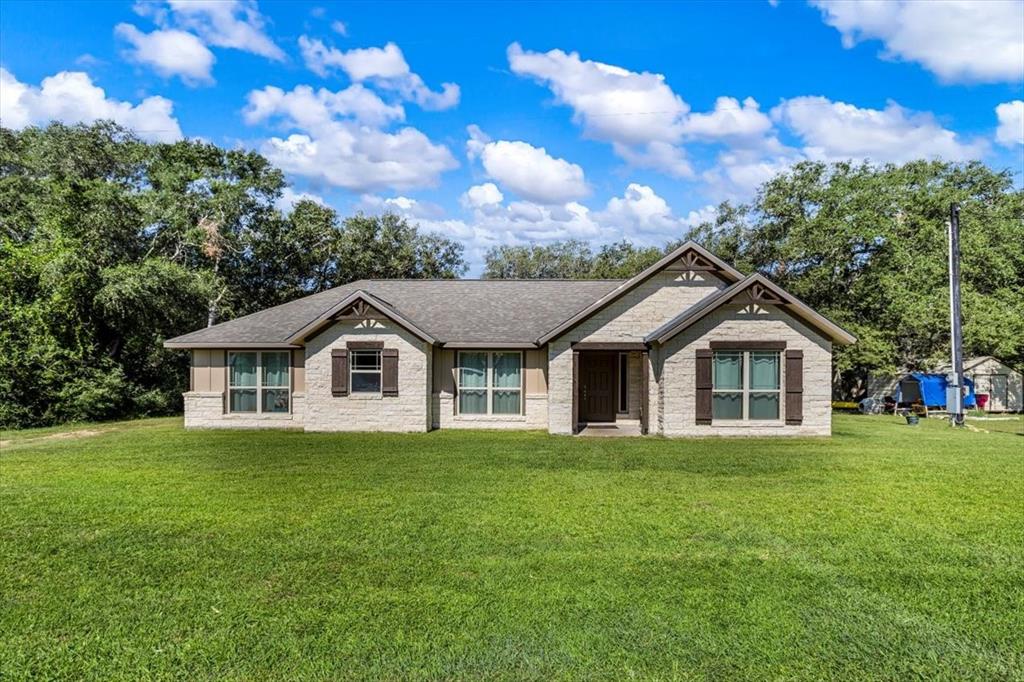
{"x":408,"y":411}
{"x":628,"y":319}
{"x":750,"y":323}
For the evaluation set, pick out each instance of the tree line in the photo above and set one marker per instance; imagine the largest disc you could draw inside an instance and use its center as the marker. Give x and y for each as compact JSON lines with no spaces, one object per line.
{"x":865,"y":245}
{"x":109,"y":245}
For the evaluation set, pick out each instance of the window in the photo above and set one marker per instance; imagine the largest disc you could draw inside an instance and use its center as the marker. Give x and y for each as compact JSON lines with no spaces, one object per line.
{"x":745,"y":385}
{"x":364,"y":371}
{"x":490,"y":382}
{"x":259,"y":382}
{"x":623,"y":382}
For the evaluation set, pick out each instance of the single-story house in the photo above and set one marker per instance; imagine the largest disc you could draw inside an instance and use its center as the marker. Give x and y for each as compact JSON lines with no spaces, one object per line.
{"x":688,"y":347}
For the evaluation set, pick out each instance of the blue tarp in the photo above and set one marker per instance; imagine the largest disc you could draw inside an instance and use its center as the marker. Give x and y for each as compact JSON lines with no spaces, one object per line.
{"x":933,"y":390}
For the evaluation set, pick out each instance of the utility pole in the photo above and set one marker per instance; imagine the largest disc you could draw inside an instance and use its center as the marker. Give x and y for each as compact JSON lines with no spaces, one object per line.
{"x":954,"y":391}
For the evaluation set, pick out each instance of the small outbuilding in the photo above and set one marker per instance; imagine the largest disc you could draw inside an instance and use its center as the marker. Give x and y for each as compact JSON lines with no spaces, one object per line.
{"x":1003,"y":385}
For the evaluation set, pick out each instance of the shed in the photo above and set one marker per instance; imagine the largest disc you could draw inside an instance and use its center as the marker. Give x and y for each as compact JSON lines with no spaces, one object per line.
{"x":1002,"y":383}
{"x":929,"y":390}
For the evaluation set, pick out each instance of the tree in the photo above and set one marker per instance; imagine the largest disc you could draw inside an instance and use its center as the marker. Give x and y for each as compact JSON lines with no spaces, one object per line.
{"x":109,"y":245}
{"x":866,"y":245}
{"x":570,"y":259}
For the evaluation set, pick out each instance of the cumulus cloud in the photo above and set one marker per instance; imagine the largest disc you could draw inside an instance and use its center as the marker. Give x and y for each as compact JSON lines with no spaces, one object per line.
{"x":639,"y":209}
{"x":838,"y":131}
{"x":235,"y":24}
{"x":729,"y":121}
{"x":1011,"y":123}
{"x":482,"y":196}
{"x":958,"y":40}
{"x":309,"y":109}
{"x":385,"y":67}
{"x":71,"y":97}
{"x":170,"y":53}
{"x":529,"y":171}
{"x":337,"y":139}
{"x":628,"y":109}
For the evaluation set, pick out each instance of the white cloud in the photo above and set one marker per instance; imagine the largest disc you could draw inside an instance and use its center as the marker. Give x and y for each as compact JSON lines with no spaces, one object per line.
{"x":729,"y":121}
{"x":170,"y":53}
{"x":640,"y":209}
{"x":482,"y":196}
{"x":1011,"y":123}
{"x":336,"y":139}
{"x":289,"y":197}
{"x":71,"y":97}
{"x":958,"y":40}
{"x":310,"y":109}
{"x":838,"y":131}
{"x":340,"y":28}
{"x":528,"y":171}
{"x":630,"y":110}
{"x":235,"y":24}
{"x":385,"y":67}
{"x":405,"y":206}
{"x":706,"y":214}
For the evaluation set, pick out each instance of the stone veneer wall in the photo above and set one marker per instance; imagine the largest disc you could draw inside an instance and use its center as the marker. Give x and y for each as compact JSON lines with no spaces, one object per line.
{"x":408,"y":411}
{"x":205,"y":410}
{"x":535,"y":415}
{"x":629,"y":319}
{"x":746,"y":323}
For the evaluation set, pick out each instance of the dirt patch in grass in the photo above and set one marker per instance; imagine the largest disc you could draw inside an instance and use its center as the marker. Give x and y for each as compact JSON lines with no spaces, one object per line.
{"x":63,"y":435}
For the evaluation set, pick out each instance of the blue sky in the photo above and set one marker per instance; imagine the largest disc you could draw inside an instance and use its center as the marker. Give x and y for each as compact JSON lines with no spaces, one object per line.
{"x":508,"y":123}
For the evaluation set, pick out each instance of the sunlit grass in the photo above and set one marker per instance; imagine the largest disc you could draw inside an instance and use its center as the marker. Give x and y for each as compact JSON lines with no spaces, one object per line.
{"x":139,"y":550}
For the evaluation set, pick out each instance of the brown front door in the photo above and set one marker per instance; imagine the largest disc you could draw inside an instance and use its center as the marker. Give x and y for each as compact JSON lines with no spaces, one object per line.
{"x":597,"y":387}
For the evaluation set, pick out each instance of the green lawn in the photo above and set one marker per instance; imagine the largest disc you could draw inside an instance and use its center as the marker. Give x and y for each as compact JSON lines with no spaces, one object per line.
{"x":143,"y":551}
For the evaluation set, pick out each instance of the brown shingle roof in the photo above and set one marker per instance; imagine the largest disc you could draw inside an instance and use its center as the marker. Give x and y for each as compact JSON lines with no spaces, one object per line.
{"x":495,"y":311}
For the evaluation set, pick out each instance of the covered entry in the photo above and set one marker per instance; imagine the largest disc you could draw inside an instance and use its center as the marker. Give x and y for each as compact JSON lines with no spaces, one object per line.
{"x":603,"y":381}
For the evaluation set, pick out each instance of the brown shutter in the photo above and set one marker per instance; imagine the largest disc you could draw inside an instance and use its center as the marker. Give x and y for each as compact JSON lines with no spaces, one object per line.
{"x":703,"y":383}
{"x":339,"y":371}
{"x":794,"y":387}
{"x":575,"y":391}
{"x":389,"y":371}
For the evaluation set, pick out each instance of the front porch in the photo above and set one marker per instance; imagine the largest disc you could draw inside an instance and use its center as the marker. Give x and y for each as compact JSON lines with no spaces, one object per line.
{"x":609,"y":389}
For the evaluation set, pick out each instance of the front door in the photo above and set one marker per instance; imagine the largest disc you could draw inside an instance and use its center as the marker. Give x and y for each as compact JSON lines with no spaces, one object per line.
{"x":597,"y":387}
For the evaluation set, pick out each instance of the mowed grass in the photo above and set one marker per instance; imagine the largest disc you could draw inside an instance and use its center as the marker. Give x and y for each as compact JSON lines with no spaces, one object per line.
{"x":143,"y":551}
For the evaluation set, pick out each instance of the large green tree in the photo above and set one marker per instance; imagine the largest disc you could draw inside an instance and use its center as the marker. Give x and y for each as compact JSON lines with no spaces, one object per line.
{"x":109,"y":245}
{"x":572,"y":259}
{"x":867,"y":246}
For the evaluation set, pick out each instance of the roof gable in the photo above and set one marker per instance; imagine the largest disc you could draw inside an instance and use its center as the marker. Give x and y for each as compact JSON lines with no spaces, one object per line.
{"x":755,"y":289}
{"x":688,"y":257}
{"x":359,"y":305}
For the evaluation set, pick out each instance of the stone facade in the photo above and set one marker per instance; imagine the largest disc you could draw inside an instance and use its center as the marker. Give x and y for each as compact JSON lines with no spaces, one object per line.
{"x":746,"y":323}
{"x":205,"y":410}
{"x":426,"y":374}
{"x":629,"y":319}
{"x":408,"y":411}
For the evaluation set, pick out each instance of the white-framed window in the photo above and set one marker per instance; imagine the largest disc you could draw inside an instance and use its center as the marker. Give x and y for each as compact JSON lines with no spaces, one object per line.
{"x":364,"y":373}
{"x":746,"y":385}
{"x":259,"y":382}
{"x":623,"y":370}
{"x":490,"y":382}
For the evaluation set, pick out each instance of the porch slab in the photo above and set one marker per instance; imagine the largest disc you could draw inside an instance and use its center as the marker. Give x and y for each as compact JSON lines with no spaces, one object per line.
{"x":610,"y":430}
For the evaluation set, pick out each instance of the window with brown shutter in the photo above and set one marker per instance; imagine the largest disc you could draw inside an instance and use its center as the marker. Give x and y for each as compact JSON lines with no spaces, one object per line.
{"x":339,"y":371}
{"x":703,"y":384}
{"x":794,"y":387}
{"x":389,"y":371}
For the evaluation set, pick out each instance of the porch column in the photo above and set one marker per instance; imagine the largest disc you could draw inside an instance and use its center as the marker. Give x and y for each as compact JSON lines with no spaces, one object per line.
{"x":575,"y":391}
{"x":645,"y":398}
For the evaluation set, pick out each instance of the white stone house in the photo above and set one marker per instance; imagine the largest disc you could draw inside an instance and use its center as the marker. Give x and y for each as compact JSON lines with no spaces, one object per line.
{"x":688,"y":347}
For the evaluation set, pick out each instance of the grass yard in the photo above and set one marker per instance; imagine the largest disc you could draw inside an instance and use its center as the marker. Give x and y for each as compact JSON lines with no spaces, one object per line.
{"x":139,"y":550}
